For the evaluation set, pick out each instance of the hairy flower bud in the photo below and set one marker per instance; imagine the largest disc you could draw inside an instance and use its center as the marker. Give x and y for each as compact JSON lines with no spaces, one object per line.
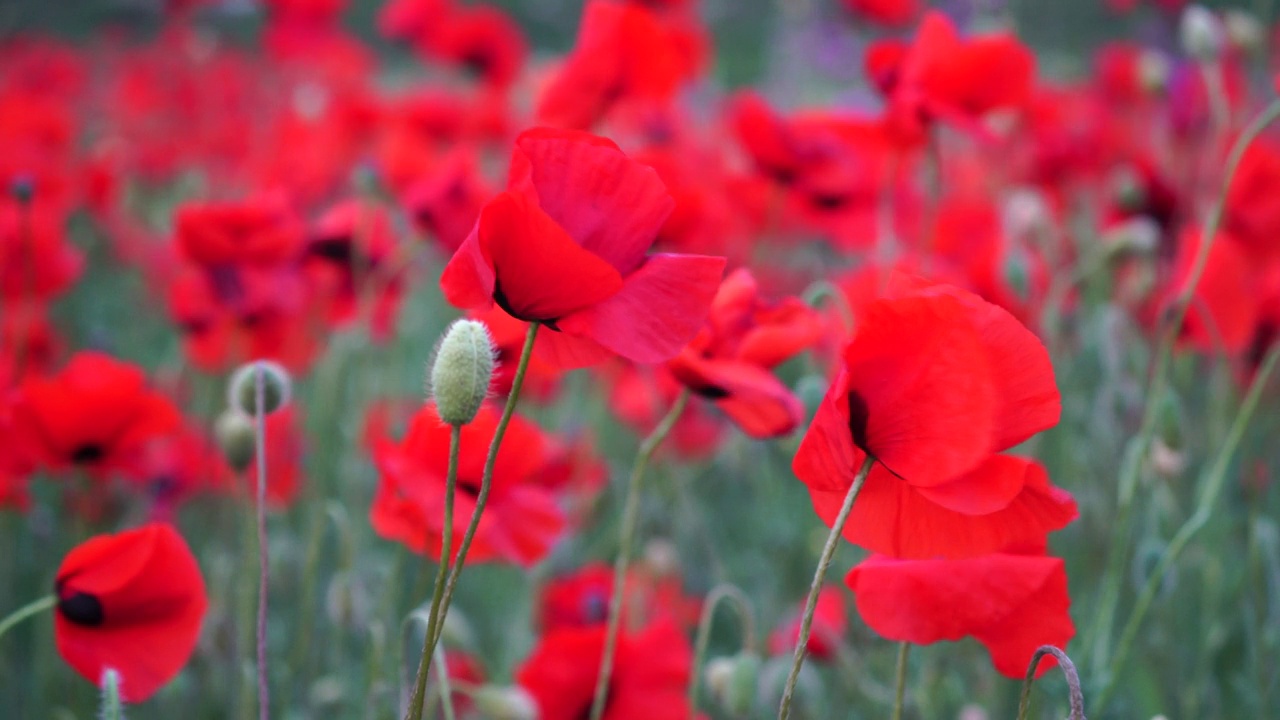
{"x":733,"y":682}
{"x":242,"y":390}
{"x":1201,"y":33}
{"x":235,"y":435}
{"x":462,"y":371}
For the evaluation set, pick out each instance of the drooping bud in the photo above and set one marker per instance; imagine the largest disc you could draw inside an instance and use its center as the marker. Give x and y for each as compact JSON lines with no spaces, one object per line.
{"x":506,"y":703}
{"x":235,"y":434}
{"x":733,"y":682}
{"x":1201,"y":33}
{"x":242,"y":390}
{"x":462,"y":371}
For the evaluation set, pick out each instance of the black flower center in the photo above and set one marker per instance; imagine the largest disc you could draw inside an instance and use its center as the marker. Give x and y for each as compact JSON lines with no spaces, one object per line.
{"x":82,"y":609}
{"x":87,"y":453}
{"x":858,"y":421}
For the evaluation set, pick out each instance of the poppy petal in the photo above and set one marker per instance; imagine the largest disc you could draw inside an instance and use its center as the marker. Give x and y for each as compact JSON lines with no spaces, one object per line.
{"x":827,"y":459}
{"x":659,"y":309}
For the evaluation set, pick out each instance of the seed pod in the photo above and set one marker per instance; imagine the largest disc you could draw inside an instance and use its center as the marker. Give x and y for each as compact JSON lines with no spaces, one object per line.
{"x":242,"y":390}
{"x":462,"y":371}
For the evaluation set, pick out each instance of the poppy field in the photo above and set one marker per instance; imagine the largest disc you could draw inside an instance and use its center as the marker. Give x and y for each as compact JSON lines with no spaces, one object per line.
{"x":604,"y":360}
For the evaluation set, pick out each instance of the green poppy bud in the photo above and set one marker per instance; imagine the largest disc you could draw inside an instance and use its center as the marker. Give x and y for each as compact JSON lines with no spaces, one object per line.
{"x":462,"y":371}
{"x":242,"y":390}
{"x":235,"y":434}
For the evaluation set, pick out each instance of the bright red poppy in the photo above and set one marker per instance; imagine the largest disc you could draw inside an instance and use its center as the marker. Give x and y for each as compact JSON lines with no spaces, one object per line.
{"x":933,"y":384}
{"x":581,"y":599}
{"x":566,"y":246}
{"x":649,"y":679}
{"x":97,"y":413}
{"x":521,"y":520}
{"x":940,"y":76}
{"x":1012,"y":604}
{"x":885,"y":12}
{"x":830,"y":622}
{"x":350,"y":259}
{"x":254,"y":232}
{"x":130,"y":602}
{"x":730,"y":360}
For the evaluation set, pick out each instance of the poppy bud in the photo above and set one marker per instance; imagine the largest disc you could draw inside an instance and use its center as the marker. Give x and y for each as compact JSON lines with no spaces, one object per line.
{"x":1201,"y":33}
{"x":733,"y":682}
{"x":1244,"y":31}
{"x":463,"y":368}
{"x":242,"y":390}
{"x":347,"y":601}
{"x":111,"y":705}
{"x":661,"y":557}
{"x":236,"y":438}
{"x":506,"y":703}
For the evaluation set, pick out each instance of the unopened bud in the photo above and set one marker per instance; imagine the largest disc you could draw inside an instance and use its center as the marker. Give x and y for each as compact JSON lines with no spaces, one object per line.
{"x":462,"y":371}
{"x":235,"y":434}
{"x":242,"y":390}
{"x":1244,"y":31}
{"x":347,"y":601}
{"x":506,"y":703}
{"x":733,"y":682}
{"x":1153,"y":71}
{"x":661,"y":557}
{"x":1201,"y":33}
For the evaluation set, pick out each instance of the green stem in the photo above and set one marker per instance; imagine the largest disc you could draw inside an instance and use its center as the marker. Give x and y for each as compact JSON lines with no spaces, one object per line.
{"x":1076,"y":697}
{"x":1214,"y":481}
{"x":111,"y":706}
{"x":900,"y":682}
{"x":630,"y":515}
{"x":1140,"y":448}
{"x":486,"y":481}
{"x":820,"y":290}
{"x":30,"y":609}
{"x":718,"y":593}
{"x":820,"y":575}
{"x":437,"y":595}
{"x":446,"y":694}
{"x":260,"y":432}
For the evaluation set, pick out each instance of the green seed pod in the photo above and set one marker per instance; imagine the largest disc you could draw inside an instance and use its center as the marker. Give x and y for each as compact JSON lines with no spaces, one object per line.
{"x":242,"y":390}
{"x":235,"y":433}
{"x":462,"y":371}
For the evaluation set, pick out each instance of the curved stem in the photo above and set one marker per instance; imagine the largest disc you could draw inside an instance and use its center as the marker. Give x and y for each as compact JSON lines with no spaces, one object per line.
{"x":630,"y":515}
{"x":482,"y":497}
{"x":446,"y":540}
{"x":29,"y":610}
{"x":260,"y":437}
{"x":720,"y":592}
{"x":820,"y":290}
{"x":1068,"y":669}
{"x":824,"y":563}
{"x":900,"y":684}
{"x":1214,"y":480}
{"x":1140,"y":448}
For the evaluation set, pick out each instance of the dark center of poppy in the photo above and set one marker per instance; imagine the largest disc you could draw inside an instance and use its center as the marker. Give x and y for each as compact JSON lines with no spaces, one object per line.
{"x":334,"y":249}
{"x":500,"y":298}
{"x":469,"y":487}
{"x":711,"y":392}
{"x":858,"y":421}
{"x":477,"y":61}
{"x":828,"y":201}
{"x":595,"y":607}
{"x":87,"y":454}
{"x":82,"y":609}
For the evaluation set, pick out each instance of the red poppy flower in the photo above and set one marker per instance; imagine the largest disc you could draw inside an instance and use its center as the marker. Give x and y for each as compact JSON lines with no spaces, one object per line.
{"x":36,"y":261}
{"x":541,"y":379}
{"x":830,"y":622}
{"x":1012,"y":604}
{"x":446,"y":202}
{"x":350,"y":254}
{"x":521,"y":520}
{"x":483,"y":39}
{"x":932,"y":385}
{"x":624,"y":52}
{"x":130,"y":602}
{"x":581,"y":599}
{"x":649,"y":679}
{"x":180,"y":467}
{"x":729,"y":361}
{"x":566,"y":246}
{"x":885,"y":12}
{"x":97,"y":414}
{"x":254,"y":232}
{"x":1252,"y":212}
{"x":641,"y":396}
{"x":940,"y":76}
{"x":284,"y":459}
{"x":1227,"y":302}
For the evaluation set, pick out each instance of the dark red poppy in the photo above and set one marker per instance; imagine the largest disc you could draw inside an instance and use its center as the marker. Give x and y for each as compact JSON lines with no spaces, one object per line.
{"x":1012,"y":604}
{"x":885,"y":12}
{"x":649,"y":679}
{"x":521,"y":520}
{"x":97,"y":413}
{"x":729,"y":362}
{"x":941,"y":77}
{"x":484,"y":40}
{"x":350,"y":259}
{"x":566,"y":246}
{"x":933,"y":384}
{"x":830,"y":622}
{"x":37,"y":263}
{"x":179,"y":468}
{"x":624,"y":52}
{"x":130,"y":602}
{"x":581,"y":599}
